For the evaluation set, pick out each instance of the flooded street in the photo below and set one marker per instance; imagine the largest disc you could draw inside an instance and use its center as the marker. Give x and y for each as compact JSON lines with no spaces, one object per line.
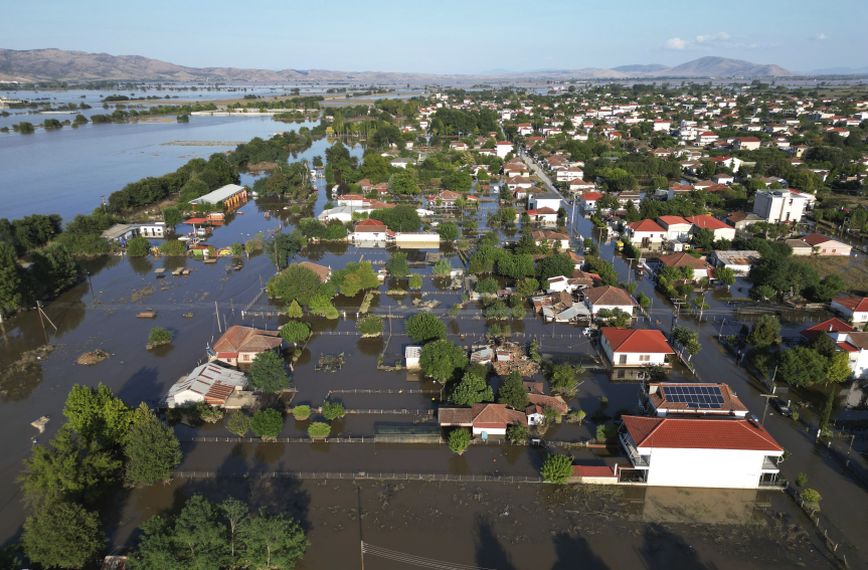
{"x":496,"y":525}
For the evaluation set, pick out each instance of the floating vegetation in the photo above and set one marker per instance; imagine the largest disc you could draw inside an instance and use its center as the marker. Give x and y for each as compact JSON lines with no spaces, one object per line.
{"x":330,"y":362}
{"x":92,"y":357}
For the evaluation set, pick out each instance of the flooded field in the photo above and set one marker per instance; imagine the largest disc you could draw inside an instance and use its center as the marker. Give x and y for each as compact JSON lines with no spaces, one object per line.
{"x":516,"y":526}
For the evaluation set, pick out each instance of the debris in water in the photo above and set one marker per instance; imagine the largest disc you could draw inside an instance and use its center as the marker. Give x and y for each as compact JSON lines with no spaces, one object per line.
{"x":39,"y":424}
{"x":92,"y":357}
{"x":330,"y":362}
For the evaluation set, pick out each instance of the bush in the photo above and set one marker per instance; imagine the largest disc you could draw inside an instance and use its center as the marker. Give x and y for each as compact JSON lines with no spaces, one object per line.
{"x":423,"y":327}
{"x":370,"y":326}
{"x":267,"y":424}
{"x":459,"y":440}
{"x":801,"y":479}
{"x":173,"y":248}
{"x":557,"y":468}
{"x":138,"y":247}
{"x":295,"y":332}
{"x":294,"y":311}
{"x":318,"y":430}
{"x":415,"y":281}
{"x":210,"y":414}
{"x":159,"y":337}
{"x":333,"y":410}
{"x":516,"y":434}
{"x":811,"y":499}
{"x":301,"y":412}
{"x":238,"y":423}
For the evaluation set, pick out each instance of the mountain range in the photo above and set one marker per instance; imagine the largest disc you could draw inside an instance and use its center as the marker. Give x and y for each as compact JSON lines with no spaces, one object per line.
{"x":76,"y":66}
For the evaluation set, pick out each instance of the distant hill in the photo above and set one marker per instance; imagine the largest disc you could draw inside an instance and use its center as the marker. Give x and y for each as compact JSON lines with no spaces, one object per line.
{"x":60,"y":65}
{"x":722,"y":67}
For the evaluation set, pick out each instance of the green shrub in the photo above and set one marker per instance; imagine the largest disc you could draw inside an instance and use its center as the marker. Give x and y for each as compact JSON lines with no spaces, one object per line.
{"x":557,"y":468}
{"x":459,"y":440}
{"x":159,"y":337}
{"x":370,"y":326}
{"x":333,"y":410}
{"x":318,"y":430}
{"x":238,"y":423}
{"x":301,"y":412}
{"x":267,"y":424}
{"x":295,"y":332}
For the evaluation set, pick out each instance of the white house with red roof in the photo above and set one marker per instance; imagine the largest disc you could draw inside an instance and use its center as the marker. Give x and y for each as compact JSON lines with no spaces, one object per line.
{"x":645,"y":232}
{"x":852,"y":307}
{"x":482,"y":419}
{"x":609,"y":298}
{"x":635,"y":347}
{"x":580,"y":185}
{"x":721,"y":230}
{"x":543,"y":215}
{"x":818,"y":244}
{"x":698,"y":265}
{"x":370,"y":230}
{"x":588,"y":200}
{"x":677,"y":228}
{"x":711,"y":452}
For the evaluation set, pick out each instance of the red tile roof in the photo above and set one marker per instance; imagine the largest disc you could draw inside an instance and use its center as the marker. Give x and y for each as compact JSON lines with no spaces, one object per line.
{"x":645,"y":226}
{"x":705,"y":433}
{"x":708,"y":222}
{"x":645,"y":341}
{"x":370,"y":225}
{"x":593,"y":196}
{"x":815,"y":239}
{"x":593,"y":471}
{"x":683,"y":259}
{"x":671,"y":220}
{"x":609,"y":295}
{"x":829,"y":325}
{"x":855,"y":304}
{"x":238,"y":338}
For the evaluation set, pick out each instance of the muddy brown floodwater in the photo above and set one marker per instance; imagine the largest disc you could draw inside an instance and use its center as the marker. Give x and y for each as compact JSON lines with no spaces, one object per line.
{"x":520,"y":526}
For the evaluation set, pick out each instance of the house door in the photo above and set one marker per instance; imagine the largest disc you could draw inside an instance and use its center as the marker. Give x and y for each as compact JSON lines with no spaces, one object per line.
{"x":622,"y":359}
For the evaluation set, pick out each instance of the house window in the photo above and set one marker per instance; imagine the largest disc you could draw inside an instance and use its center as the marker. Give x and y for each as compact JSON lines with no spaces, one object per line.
{"x":644,"y":357}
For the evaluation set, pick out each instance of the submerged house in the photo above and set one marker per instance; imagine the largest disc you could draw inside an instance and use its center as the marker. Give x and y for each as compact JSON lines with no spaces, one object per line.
{"x":483,"y":419}
{"x":209,"y":383}
{"x":240,"y":344}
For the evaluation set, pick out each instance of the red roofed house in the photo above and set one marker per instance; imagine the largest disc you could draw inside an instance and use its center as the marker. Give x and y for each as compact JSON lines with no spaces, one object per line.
{"x":635,"y":347}
{"x":488,"y":419}
{"x":725,"y":453}
{"x":847,"y":339}
{"x":828,"y":326}
{"x":818,"y":244}
{"x":721,"y":230}
{"x":854,"y":308}
{"x":645,"y":232}
{"x":369,"y":230}
{"x":240,"y":344}
{"x":609,"y":297}
{"x":701,"y":269}
{"x":579,"y":185}
{"x":589,"y":200}
{"x":543,"y":215}
{"x":677,"y":228}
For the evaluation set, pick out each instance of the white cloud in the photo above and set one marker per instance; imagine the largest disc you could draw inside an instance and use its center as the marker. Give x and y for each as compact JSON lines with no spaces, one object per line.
{"x":820,"y":37}
{"x":675,"y":43}
{"x":712,"y":38}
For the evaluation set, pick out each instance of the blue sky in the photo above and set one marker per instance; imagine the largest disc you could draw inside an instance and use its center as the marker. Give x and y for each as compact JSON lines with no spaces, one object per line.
{"x":448,"y":36}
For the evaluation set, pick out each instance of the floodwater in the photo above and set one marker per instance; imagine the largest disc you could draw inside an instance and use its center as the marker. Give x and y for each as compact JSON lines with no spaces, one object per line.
{"x":496,"y":525}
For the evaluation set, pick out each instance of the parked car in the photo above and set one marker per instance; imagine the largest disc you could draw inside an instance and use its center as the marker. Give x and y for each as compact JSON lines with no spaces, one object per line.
{"x":782,"y":407}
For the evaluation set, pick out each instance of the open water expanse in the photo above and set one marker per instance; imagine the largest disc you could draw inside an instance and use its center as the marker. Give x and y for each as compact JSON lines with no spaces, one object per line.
{"x":492,"y":525}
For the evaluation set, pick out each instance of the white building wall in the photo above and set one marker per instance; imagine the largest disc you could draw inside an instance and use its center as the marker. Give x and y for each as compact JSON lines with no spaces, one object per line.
{"x":635,"y":359}
{"x":714,"y":468}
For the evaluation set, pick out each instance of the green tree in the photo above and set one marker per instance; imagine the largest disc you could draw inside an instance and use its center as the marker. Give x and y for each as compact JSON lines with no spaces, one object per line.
{"x":10,"y":280}
{"x":725,"y":275}
{"x":802,"y":366}
{"x":97,"y":414}
{"x":441,"y":360}
{"x":318,"y":430}
{"x":333,"y":410}
{"x":295,"y":283}
{"x":268,"y":372}
{"x":688,"y":339}
{"x":554,"y":265}
{"x":371,"y":325}
{"x":267,"y":424}
{"x":151,"y":450}
{"x":172,"y":216}
{"x":294,"y":310}
{"x":355,"y":277}
{"x":158,"y":336}
{"x":294,"y":332}
{"x":564,"y":378}
{"x":459,"y":440}
{"x":271,"y":542}
{"x":397,"y":266}
{"x":238,"y":423}
{"x":404,"y":182}
{"x":448,"y":231}
{"x":64,"y":535}
{"x":401,"y":218}
{"x":415,"y":282}
{"x":68,"y":468}
{"x":766,"y":332}
{"x":321,"y":306}
{"x":235,"y":513}
{"x":197,"y":531}
{"x":517,"y":434}
{"x":513,"y":393}
{"x":473,"y":387}
{"x":442,"y":268}
{"x":138,"y":247}
{"x":423,"y":327}
{"x":557,"y":468}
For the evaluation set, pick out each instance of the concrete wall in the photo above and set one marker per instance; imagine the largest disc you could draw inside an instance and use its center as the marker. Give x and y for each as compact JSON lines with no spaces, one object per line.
{"x":715,"y":468}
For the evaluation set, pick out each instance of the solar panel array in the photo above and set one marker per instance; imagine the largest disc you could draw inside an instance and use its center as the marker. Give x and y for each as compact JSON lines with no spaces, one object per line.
{"x":702,"y":397}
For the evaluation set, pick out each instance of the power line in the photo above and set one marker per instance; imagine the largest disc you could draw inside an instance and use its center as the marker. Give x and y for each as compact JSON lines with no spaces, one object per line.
{"x":413,"y":560}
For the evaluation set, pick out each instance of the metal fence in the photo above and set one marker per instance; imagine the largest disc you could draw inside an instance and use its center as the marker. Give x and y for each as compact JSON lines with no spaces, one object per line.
{"x":360,"y":476}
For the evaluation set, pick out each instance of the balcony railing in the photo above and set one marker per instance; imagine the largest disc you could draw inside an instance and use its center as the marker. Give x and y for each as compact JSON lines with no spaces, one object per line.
{"x":637,"y":460}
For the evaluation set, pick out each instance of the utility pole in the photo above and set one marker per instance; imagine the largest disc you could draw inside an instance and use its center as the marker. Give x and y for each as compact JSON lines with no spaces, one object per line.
{"x":720,"y":332}
{"x":361,"y":537}
{"x":766,"y":405}
{"x":217,"y":314}
{"x":44,"y":315}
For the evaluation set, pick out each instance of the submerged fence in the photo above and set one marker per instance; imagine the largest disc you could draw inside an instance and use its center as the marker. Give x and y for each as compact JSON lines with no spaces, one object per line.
{"x":360,"y":476}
